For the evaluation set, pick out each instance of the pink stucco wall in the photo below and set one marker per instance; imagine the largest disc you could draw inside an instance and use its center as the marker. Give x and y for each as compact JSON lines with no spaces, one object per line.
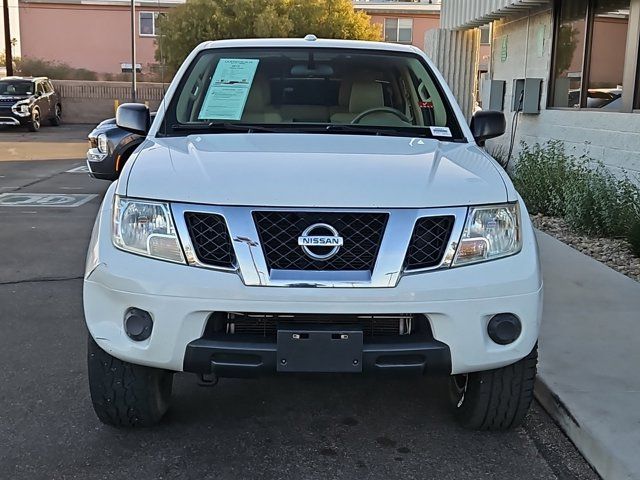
{"x":421,"y":23}
{"x":95,"y":37}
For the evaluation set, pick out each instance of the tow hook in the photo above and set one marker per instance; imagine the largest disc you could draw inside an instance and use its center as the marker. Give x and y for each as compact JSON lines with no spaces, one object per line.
{"x":207,"y":380}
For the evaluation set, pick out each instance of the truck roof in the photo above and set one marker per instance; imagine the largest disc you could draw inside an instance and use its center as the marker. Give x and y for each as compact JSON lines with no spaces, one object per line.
{"x":308,"y":41}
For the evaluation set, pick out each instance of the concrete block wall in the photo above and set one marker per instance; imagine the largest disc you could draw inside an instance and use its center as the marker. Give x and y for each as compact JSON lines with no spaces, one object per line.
{"x":610,"y":137}
{"x":92,"y":102}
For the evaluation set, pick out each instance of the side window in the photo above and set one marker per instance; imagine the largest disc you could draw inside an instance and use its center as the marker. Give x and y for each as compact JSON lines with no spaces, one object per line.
{"x":48,"y":87}
{"x":39,"y":88}
{"x":432,"y":105}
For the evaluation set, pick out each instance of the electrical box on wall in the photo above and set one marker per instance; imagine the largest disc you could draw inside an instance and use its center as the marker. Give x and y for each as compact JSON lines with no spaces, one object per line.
{"x":526,"y":95}
{"x":494,"y":95}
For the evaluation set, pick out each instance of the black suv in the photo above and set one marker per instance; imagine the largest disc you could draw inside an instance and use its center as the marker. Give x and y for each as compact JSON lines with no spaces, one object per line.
{"x":27,"y":101}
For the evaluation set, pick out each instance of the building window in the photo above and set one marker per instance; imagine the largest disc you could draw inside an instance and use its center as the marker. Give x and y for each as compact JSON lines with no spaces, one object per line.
{"x":148,"y":26}
{"x":485,"y":35}
{"x":398,"y":30}
{"x":589,"y":53}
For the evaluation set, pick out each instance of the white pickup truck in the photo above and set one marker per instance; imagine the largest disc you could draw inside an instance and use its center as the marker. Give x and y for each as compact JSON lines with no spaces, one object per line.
{"x":305,"y":205}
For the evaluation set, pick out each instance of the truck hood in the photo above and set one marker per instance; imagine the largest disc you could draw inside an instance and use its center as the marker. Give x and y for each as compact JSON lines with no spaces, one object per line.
{"x":312,"y":170}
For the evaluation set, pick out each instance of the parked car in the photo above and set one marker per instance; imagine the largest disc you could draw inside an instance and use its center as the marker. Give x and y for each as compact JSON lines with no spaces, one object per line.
{"x":109,"y":148}
{"x":306,"y":205}
{"x":27,"y":101}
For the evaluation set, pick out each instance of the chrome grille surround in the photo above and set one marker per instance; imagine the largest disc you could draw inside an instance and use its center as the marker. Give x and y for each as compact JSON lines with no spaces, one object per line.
{"x":428,"y":242}
{"x":251,"y":264}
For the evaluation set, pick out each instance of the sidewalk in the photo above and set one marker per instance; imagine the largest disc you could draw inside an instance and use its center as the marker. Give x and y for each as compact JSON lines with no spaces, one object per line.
{"x":589,"y":371}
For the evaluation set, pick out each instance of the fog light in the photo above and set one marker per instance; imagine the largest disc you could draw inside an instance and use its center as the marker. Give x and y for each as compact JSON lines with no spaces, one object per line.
{"x":137,"y":324}
{"x":504,"y":328}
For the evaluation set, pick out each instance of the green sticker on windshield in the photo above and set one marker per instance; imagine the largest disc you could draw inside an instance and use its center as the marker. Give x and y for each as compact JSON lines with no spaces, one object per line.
{"x":229,"y":89}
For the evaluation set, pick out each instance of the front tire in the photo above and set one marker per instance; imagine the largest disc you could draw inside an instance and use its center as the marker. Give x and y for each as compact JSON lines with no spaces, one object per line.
{"x":34,"y":123}
{"x":124,"y":394}
{"x":495,"y":399}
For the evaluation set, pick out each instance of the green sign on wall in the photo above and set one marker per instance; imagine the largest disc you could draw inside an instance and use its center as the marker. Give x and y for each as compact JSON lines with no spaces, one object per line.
{"x":503,"y":48}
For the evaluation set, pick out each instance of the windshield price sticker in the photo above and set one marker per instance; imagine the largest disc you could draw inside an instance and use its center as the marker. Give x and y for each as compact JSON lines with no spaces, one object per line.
{"x":229,"y":89}
{"x":440,"y":131}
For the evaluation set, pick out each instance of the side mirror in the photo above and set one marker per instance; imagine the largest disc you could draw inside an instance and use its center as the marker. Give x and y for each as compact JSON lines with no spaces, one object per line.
{"x":487,"y":124}
{"x":134,"y":118}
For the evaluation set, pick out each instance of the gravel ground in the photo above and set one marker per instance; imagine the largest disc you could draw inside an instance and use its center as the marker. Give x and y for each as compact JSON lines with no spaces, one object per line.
{"x":613,"y":252}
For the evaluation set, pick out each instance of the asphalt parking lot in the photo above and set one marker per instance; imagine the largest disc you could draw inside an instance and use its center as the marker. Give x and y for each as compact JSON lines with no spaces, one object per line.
{"x":286,"y":427}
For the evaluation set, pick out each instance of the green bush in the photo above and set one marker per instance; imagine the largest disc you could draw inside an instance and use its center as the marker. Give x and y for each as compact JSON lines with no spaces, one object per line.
{"x":540,"y":176}
{"x":499,"y":153}
{"x":590,"y":198}
{"x":599,"y":203}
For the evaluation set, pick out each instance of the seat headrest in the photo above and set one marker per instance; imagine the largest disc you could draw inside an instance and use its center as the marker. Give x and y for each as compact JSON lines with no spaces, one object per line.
{"x":365,"y":95}
{"x":259,"y":95}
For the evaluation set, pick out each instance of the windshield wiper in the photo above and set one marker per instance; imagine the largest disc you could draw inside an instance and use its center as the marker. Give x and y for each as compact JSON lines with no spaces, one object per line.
{"x":224,"y":127}
{"x":361,"y":130}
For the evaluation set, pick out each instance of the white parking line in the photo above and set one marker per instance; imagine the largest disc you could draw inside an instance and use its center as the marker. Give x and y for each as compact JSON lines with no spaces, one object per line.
{"x":81,"y":169}
{"x":44,"y":199}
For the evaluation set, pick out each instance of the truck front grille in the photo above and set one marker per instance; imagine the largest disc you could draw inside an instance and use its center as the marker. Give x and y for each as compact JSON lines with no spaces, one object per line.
{"x":266,"y":324}
{"x":210,"y":239}
{"x":428,"y":242}
{"x":361,"y":232}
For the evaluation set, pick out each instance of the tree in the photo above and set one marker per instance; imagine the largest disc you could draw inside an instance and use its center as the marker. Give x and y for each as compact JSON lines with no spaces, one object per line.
{"x":195,"y":21}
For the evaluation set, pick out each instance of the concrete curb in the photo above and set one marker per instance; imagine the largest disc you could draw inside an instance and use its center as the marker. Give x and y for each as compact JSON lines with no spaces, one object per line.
{"x":600,"y":456}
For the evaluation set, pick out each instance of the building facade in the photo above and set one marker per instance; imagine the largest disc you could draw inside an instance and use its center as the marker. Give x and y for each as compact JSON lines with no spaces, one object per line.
{"x":90,"y":34}
{"x":403,"y":22}
{"x":96,"y":34}
{"x":580,"y":61}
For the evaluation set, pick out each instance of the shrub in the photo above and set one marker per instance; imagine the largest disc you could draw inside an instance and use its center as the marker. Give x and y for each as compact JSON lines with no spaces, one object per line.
{"x":590,"y":198}
{"x":540,"y":176}
{"x":36,"y":67}
{"x":599,"y":203}
{"x":499,"y":153}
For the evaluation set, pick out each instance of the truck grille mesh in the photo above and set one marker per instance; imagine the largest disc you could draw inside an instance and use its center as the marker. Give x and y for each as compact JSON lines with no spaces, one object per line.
{"x":279,"y":232}
{"x":210,"y":239}
{"x":428,"y":242}
{"x":266,"y":324}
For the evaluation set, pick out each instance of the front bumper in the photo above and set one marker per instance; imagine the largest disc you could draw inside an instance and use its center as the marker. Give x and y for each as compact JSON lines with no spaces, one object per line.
{"x":458,"y":303}
{"x":250,"y":358}
{"x":7,"y":117}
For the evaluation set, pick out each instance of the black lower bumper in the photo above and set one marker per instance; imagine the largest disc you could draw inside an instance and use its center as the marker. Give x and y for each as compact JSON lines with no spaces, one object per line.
{"x":226,"y":356}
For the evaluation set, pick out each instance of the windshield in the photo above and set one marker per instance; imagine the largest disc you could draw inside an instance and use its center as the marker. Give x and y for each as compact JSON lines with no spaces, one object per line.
{"x":20,"y":87}
{"x":311,"y":90}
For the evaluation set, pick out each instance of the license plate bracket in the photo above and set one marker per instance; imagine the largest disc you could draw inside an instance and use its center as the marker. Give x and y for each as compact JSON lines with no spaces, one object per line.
{"x":322,"y":348}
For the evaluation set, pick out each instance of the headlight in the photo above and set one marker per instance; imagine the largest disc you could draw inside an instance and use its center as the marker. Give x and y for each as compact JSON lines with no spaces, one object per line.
{"x":21,"y":108}
{"x":145,"y":228}
{"x":490,"y":232}
{"x":103,"y":144}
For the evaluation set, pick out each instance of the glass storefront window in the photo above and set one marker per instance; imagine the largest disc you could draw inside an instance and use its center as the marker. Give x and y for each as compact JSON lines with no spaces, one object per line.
{"x":589,"y":54}
{"x":606,"y":62}
{"x":569,"y":53}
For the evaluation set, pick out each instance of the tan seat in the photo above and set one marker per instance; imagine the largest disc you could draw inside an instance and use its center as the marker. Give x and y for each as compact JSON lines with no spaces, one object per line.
{"x":365,"y":95}
{"x":258,"y":108}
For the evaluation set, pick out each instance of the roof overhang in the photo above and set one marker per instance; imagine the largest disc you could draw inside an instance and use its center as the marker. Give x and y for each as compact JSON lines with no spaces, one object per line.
{"x":464,"y":14}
